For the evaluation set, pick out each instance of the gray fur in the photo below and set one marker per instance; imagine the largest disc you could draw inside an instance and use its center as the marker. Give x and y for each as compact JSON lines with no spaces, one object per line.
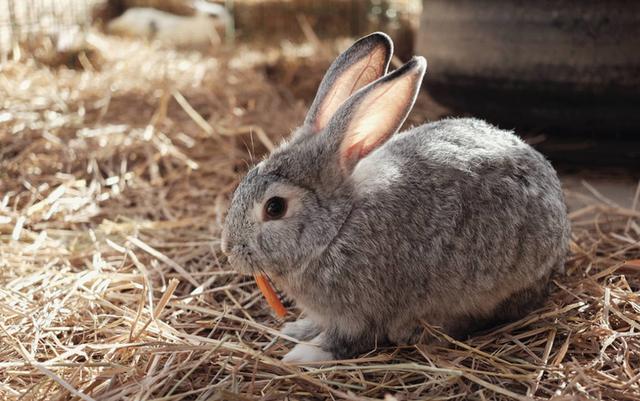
{"x":468,"y":232}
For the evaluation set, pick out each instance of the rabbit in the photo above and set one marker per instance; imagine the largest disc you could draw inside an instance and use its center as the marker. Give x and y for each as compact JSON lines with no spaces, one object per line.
{"x":455,"y":223}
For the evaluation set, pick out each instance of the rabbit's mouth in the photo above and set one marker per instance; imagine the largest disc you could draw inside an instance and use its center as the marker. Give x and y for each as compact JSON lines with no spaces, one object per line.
{"x":242,"y":264}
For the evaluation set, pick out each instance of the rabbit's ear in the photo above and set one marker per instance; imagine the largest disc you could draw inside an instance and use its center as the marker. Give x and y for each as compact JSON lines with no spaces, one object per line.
{"x":376,"y":112}
{"x":362,"y":63}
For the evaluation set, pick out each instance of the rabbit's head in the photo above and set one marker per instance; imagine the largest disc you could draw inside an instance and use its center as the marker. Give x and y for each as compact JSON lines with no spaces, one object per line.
{"x":291,"y":206}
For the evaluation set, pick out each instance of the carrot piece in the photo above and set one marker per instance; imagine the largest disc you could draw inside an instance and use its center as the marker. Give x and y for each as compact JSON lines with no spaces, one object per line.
{"x":270,"y":295}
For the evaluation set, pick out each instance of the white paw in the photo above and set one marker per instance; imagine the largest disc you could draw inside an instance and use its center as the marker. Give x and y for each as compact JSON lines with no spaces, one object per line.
{"x":292,"y":329}
{"x":301,"y":329}
{"x":303,"y":353}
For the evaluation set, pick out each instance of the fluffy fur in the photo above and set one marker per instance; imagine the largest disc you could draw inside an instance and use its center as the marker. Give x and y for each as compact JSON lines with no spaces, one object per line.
{"x":464,"y":229}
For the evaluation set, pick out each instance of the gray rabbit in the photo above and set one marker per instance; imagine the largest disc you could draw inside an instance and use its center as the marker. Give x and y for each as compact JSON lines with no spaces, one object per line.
{"x":456,"y":223}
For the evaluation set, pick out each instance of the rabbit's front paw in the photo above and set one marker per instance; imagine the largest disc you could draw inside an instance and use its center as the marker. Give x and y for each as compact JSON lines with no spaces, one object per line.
{"x":309,"y":352}
{"x":303,"y":353}
{"x":302,"y":329}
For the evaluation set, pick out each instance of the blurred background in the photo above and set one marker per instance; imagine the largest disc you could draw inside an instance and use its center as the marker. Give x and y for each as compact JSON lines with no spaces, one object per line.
{"x":564,"y":74}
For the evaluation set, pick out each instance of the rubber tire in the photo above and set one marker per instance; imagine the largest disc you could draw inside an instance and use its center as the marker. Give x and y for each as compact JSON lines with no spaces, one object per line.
{"x":560,"y":66}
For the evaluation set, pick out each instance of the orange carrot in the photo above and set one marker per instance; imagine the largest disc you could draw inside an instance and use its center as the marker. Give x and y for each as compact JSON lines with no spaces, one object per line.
{"x":270,"y":295}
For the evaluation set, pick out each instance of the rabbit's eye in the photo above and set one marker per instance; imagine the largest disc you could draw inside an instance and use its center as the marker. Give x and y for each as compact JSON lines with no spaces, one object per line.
{"x":275,"y":208}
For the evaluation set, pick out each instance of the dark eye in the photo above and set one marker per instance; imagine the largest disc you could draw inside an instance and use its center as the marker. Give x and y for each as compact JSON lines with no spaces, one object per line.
{"x":275,"y":208}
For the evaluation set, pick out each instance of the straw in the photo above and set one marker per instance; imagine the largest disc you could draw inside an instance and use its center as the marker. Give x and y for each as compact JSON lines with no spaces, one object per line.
{"x":114,"y":182}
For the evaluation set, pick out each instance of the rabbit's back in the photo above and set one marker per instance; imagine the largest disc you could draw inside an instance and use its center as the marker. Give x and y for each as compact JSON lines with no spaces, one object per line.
{"x":462,"y":212}
{"x":463,"y":143}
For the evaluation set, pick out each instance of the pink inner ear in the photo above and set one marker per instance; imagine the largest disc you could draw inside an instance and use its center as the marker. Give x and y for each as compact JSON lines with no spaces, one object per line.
{"x":377,"y":117}
{"x":354,"y":152}
{"x":353,"y":78}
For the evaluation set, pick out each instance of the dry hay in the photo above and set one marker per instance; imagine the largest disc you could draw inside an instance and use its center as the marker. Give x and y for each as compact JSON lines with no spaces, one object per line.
{"x":112,"y":189}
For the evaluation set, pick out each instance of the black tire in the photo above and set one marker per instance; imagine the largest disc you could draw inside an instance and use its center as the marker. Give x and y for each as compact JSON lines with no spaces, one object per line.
{"x":561,"y":66}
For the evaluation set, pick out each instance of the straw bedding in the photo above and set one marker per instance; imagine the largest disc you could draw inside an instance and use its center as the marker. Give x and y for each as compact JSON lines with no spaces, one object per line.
{"x":114,"y":179}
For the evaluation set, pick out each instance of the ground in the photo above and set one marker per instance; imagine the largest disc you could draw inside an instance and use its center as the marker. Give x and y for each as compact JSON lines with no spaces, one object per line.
{"x":114,"y":179}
